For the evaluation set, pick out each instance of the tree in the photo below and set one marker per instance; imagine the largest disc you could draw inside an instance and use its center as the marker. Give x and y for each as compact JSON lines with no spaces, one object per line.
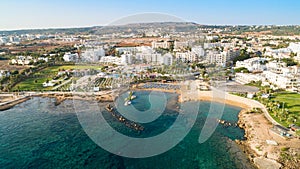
{"x":241,"y":69}
{"x":264,"y":51}
{"x":15,"y":72}
{"x":243,"y":56}
{"x":292,"y":118}
{"x":293,"y":54}
{"x":289,"y":61}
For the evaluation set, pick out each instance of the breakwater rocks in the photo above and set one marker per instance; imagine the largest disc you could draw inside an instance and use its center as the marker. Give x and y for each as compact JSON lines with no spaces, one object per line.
{"x":120,"y":118}
{"x":227,"y":123}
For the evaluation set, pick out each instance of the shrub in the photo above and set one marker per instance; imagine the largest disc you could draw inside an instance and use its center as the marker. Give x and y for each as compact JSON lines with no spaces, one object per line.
{"x":285,"y":148}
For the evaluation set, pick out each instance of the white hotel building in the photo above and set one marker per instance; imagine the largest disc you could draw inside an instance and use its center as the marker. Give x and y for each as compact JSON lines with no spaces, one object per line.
{"x":155,"y":58}
{"x":180,"y":45}
{"x":93,"y":55}
{"x":150,"y":58}
{"x":295,"y":47}
{"x":245,"y":78}
{"x":186,"y":56}
{"x":252,"y":64}
{"x":167,"y":59}
{"x":221,"y":58}
{"x":126,"y":59}
{"x":163,"y":44}
{"x":111,"y":59}
{"x":70,"y":57}
{"x":214,"y":45}
{"x":283,"y":81}
{"x":283,"y":77}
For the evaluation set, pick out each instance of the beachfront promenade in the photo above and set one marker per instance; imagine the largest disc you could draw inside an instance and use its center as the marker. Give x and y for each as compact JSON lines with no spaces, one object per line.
{"x":252,"y":104}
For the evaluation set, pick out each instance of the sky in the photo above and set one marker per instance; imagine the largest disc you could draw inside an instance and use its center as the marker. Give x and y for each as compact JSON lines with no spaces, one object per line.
{"x":32,"y":14}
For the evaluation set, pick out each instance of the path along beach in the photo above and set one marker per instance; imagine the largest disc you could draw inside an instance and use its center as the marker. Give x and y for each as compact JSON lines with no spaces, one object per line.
{"x":256,"y":125}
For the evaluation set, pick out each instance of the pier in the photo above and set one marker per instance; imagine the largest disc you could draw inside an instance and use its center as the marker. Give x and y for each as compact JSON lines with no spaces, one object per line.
{"x":9,"y":104}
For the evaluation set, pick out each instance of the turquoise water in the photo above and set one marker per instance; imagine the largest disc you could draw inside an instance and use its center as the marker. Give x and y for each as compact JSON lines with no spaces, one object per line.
{"x":37,"y":134}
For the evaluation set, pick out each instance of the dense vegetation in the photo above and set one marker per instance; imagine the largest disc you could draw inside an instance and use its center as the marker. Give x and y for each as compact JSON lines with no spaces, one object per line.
{"x":283,"y":106}
{"x":289,"y":61}
{"x":243,"y":56}
{"x":35,"y":81}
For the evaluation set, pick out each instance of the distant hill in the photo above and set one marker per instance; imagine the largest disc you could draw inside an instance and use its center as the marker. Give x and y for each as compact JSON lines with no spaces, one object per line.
{"x":47,"y":31}
{"x":167,"y":26}
{"x":178,"y":26}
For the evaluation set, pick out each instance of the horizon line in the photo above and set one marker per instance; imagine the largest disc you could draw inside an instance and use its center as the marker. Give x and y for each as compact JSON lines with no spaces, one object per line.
{"x":91,"y":26}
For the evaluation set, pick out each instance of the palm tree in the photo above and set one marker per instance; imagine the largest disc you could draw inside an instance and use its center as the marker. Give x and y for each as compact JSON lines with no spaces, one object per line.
{"x":280,"y":115}
{"x":292,"y":118}
{"x":275,"y":112}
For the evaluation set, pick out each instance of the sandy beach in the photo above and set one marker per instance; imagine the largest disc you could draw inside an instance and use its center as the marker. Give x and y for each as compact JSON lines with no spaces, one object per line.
{"x":256,"y":125}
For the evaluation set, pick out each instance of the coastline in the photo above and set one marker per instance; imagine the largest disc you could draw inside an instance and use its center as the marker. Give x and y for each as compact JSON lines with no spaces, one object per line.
{"x":9,"y":104}
{"x":104,"y":96}
{"x":257,"y":131}
{"x":256,"y":125}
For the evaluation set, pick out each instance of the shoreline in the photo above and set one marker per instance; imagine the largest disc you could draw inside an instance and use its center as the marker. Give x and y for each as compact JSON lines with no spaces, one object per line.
{"x":184,"y":96}
{"x":256,"y":125}
{"x":60,"y":97}
{"x":9,"y":104}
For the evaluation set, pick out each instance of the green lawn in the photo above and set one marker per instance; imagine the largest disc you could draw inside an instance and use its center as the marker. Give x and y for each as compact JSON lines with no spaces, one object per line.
{"x":66,"y":67}
{"x":283,"y":123}
{"x":35,"y":82}
{"x":32,"y":84}
{"x":291,"y":102}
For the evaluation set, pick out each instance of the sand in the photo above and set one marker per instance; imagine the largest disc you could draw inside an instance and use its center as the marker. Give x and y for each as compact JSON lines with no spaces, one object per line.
{"x":257,"y":126}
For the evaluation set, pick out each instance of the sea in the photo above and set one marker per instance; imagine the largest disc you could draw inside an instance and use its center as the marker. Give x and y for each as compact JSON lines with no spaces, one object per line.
{"x":39,"y":134}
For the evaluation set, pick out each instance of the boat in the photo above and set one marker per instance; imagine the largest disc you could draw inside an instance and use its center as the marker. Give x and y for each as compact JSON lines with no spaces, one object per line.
{"x":129,"y":98}
{"x":127,"y":103}
{"x":132,"y":97}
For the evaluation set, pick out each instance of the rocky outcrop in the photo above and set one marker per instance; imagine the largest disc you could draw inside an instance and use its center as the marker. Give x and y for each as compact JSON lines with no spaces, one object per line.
{"x":265,"y":163}
{"x":259,"y":158}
